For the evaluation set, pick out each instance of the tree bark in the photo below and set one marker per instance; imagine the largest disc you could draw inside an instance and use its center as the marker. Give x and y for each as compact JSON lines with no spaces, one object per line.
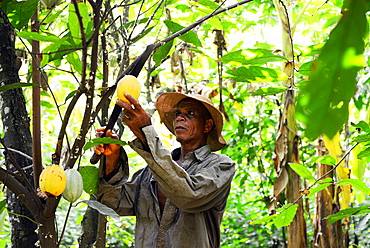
{"x":297,"y":236}
{"x":17,"y":136}
{"x":324,"y":235}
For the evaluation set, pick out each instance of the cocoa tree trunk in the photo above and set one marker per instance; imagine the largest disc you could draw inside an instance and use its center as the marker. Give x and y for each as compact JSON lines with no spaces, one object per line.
{"x":17,"y":136}
{"x":287,"y":135}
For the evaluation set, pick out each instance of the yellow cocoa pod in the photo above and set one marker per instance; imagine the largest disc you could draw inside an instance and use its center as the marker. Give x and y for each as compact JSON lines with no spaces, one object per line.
{"x":128,"y":84}
{"x":53,"y":180}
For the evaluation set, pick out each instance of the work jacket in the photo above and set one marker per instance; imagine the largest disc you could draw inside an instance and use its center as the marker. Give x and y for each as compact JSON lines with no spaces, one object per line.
{"x":196,"y":195}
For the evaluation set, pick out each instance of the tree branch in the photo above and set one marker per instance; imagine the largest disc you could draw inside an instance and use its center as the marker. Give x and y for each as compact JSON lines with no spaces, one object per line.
{"x":20,"y":191}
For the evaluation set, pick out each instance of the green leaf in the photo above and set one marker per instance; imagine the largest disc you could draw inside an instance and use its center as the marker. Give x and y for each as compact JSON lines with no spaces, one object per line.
{"x":266,"y":91}
{"x":208,"y":4}
{"x":251,"y":57}
{"x":322,"y":185}
{"x":189,"y":37}
{"x":2,"y":205}
{"x":302,"y":171}
{"x":323,"y":104}
{"x":326,"y":159}
{"x":264,"y":219}
{"x":46,"y":104}
{"x":101,"y":208}
{"x":356,"y":183}
{"x":363,"y":126}
{"x":90,"y":178}
{"x":39,"y":37}
{"x":364,"y":154}
{"x":146,"y":31}
{"x":252,"y":73}
{"x":20,"y":12}
{"x":104,"y":140}
{"x":347,"y":212}
{"x":70,"y":95}
{"x":74,"y":24}
{"x":131,"y":23}
{"x":305,"y":69}
{"x":162,"y":52}
{"x":362,"y":138}
{"x":286,"y":216}
{"x":75,"y":61}
{"x":16,"y":85}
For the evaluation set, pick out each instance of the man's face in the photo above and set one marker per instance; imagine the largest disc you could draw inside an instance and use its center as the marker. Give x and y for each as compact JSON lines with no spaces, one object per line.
{"x":191,"y":122}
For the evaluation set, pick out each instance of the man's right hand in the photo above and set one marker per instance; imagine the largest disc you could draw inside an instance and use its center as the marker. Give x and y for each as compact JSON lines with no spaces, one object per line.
{"x":111,"y":151}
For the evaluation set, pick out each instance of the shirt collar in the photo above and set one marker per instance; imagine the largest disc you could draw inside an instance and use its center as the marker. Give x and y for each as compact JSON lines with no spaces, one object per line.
{"x":197,"y":154}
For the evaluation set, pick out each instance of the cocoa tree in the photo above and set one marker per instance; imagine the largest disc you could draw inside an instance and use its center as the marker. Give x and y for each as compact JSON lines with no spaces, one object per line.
{"x":87,"y":37}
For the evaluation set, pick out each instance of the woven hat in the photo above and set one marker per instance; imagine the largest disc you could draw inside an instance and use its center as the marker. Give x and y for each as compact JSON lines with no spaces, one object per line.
{"x":166,"y":104}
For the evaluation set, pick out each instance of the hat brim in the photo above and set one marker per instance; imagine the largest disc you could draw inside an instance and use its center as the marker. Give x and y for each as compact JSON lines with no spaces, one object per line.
{"x":166,"y":104}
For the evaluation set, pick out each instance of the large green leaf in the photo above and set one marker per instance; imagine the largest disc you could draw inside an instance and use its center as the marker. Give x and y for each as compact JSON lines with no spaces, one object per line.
{"x":36,"y":36}
{"x":252,"y":57}
{"x":19,"y":12}
{"x":252,"y":73}
{"x":357,"y":184}
{"x":362,"y":138}
{"x":266,"y":91}
{"x":286,"y":216}
{"x":74,"y":24}
{"x":16,"y":85}
{"x":323,"y":103}
{"x":104,"y":140}
{"x":189,"y":37}
{"x":302,"y":171}
{"x":347,"y":212}
{"x":323,"y":184}
{"x":162,"y":52}
{"x":75,"y":61}
{"x":90,"y":177}
{"x":101,"y":208}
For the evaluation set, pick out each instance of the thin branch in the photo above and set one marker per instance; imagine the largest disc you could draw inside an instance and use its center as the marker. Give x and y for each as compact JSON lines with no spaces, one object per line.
{"x":136,"y":21}
{"x":21,"y":192}
{"x":19,"y":152}
{"x":332,"y":169}
{"x":22,"y":174}
{"x":197,"y":23}
{"x":320,"y":178}
{"x":24,"y":216}
{"x":65,"y":225}
{"x":146,"y":24}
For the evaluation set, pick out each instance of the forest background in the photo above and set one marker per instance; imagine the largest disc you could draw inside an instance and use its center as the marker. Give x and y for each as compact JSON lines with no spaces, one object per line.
{"x":290,"y":77}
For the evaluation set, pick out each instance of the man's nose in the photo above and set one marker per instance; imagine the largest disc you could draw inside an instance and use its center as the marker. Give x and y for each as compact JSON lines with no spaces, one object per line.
{"x":179,"y":117}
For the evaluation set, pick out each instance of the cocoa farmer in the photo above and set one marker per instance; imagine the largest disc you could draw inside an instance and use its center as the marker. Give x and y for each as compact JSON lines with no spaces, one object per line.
{"x":179,"y":198}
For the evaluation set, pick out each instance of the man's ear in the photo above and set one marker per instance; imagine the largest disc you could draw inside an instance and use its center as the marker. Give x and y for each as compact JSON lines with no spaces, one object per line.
{"x":209,"y":125}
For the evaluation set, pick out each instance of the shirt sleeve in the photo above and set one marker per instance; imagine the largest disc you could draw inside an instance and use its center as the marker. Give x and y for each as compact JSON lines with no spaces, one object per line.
{"x":115,"y":191}
{"x":204,"y":189}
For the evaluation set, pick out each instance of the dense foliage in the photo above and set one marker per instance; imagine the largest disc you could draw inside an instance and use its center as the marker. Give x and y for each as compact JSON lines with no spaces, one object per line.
{"x":236,"y":57}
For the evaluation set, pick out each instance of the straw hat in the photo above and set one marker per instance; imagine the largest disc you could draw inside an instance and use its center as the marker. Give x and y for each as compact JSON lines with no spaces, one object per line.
{"x":166,"y":104}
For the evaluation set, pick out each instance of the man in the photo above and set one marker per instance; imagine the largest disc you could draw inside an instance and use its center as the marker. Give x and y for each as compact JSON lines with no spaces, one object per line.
{"x":180,"y":197}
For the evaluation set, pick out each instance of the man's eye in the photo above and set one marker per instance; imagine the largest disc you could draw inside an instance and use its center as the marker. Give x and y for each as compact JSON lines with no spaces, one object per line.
{"x":177,"y":113}
{"x":191,"y":112}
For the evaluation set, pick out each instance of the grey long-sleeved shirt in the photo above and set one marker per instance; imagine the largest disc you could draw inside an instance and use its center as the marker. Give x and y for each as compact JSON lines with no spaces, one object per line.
{"x":196,"y":195}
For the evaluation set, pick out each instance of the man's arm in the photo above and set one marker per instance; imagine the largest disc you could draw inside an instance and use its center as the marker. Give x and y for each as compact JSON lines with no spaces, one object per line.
{"x":191,"y":192}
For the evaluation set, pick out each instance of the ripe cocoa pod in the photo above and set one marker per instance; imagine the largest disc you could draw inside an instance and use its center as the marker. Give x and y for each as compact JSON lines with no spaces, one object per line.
{"x":74,"y":187}
{"x":128,"y":84}
{"x":52,"y":180}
